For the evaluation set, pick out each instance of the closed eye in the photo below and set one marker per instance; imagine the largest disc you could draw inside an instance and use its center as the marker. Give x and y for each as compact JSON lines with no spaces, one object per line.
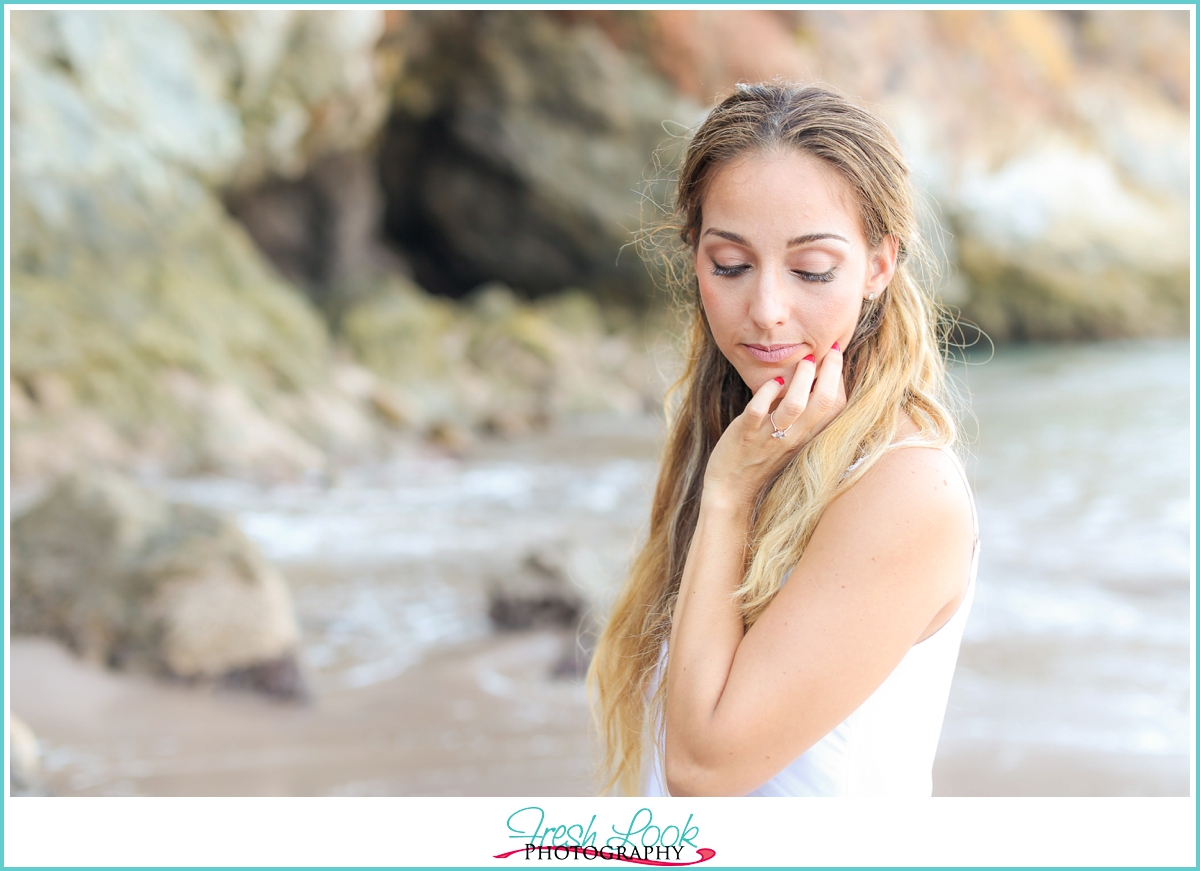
{"x":816,"y":277}
{"x":738,"y":269}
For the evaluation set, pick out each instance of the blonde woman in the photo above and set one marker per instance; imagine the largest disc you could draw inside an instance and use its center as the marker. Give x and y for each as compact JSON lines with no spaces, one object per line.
{"x":792,"y":623}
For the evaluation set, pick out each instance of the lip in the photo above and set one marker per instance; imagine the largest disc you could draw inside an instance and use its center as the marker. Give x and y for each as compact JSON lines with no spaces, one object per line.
{"x":772,"y":353}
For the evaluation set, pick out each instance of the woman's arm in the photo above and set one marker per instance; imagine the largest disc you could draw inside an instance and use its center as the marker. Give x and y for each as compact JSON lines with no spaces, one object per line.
{"x":886,"y":565}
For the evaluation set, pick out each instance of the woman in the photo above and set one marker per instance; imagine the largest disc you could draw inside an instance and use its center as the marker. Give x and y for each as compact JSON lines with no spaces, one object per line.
{"x":791,"y":625}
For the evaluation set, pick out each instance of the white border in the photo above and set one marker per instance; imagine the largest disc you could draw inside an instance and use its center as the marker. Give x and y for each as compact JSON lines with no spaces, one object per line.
{"x":443,"y":832}
{"x":470,"y":831}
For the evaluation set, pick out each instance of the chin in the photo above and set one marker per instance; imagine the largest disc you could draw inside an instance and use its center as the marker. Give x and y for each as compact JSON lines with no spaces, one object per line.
{"x":759,"y":375}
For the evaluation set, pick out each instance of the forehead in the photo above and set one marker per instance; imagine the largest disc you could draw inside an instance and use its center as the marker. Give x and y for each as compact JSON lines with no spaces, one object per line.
{"x":786,"y":193}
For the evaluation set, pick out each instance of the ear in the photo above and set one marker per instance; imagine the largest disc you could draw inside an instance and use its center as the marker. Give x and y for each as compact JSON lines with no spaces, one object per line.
{"x":881,"y":267}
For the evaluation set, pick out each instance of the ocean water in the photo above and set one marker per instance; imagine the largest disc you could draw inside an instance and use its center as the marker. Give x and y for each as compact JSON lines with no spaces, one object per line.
{"x":1081,"y":631}
{"x":1079,"y":454}
{"x":392,"y":561}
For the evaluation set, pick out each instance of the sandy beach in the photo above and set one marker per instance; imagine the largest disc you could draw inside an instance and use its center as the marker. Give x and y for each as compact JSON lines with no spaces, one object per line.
{"x":484,"y":719}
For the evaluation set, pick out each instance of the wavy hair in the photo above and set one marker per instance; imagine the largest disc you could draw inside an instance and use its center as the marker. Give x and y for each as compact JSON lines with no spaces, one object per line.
{"x":893,"y":366}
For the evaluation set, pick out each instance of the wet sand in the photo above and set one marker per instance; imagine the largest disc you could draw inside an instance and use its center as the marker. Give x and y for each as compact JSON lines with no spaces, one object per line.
{"x":997,"y":769}
{"x":483,"y":719}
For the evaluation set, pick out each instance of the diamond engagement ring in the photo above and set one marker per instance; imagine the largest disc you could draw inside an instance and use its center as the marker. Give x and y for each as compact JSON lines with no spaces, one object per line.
{"x":779,"y":433}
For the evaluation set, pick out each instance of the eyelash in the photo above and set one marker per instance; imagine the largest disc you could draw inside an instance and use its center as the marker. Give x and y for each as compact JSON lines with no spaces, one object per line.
{"x":728,"y":271}
{"x":734,"y":271}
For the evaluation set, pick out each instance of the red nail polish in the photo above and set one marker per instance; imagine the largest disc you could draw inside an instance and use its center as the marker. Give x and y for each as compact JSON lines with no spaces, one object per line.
{"x":836,"y":346}
{"x":810,"y":358}
{"x":779,"y":378}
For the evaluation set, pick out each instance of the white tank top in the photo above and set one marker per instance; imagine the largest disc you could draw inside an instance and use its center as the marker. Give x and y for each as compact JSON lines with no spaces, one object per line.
{"x":886,"y":746}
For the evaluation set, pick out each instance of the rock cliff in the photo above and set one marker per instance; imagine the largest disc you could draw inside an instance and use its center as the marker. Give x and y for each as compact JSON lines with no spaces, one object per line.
{"x":226,"y":225}
{"x":129,"y":580}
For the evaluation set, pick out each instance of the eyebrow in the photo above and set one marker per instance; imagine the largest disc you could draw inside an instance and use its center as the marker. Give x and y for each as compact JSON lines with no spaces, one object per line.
{"x":792,"y":243}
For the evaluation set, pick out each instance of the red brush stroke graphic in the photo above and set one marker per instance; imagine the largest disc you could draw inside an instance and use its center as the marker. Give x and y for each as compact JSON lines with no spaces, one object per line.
{"x":705,"y":855}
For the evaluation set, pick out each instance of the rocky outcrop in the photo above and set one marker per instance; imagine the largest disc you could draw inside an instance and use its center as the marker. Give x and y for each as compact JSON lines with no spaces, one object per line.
{"x":323,"y":229}
{"x":536,"y":595}
{"x":129,"y":279}
{"x":24,"y":760}
{"x":130,"y":580}
{"x":498,"y":363}
{"x":540,"y":593}
{"x":1062,"y":242}
{"x":226,"y":225}
{"x":516,"y":152}
{"x":1052,"y":146}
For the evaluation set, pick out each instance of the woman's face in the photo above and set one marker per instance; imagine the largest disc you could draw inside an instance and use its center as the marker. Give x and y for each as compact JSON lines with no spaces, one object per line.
{"x":783,"y":264}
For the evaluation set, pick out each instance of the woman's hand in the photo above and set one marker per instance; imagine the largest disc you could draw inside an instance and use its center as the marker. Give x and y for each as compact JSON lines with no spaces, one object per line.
{"x":747,"y":456}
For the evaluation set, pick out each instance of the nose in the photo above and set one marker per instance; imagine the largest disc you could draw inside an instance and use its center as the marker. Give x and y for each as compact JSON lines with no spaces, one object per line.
{"x":768,"y":305}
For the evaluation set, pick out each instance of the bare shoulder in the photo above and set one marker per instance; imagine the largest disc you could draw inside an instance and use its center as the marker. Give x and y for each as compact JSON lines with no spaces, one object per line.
{"x":920,"y":470}
{"x":907,"y":521}
{"x":915,"y":482}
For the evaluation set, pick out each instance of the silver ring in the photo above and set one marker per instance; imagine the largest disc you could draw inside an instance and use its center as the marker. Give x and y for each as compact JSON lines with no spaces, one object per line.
{"x":779,"y":433}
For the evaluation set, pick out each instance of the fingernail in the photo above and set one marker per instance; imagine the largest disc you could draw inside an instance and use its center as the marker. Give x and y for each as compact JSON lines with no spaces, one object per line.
{"x":779,"y":378}
{"x":810,"y":358}
{"x":836,"y":346}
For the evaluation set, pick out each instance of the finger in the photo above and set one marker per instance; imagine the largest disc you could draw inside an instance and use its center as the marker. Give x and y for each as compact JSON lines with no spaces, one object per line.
{"x":796,"y":398}
{"x":828,"y":386}
{"x":761,"y":402}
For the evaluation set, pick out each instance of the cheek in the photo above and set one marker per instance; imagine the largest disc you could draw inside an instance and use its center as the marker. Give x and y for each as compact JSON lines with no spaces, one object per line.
{"x":825,"y":314}
{"x":721,"y":311}
{"x":836,"y":310}
{"x":825,"y":305}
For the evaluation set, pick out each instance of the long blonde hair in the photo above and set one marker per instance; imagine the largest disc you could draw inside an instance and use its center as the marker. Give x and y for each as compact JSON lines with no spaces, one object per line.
{"x":893,"y":366}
